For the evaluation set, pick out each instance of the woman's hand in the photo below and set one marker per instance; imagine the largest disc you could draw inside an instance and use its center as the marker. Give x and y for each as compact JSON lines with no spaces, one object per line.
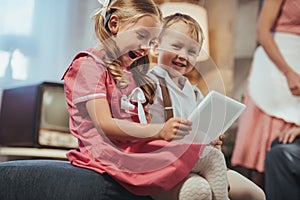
{"x":293,"y":80}
{"x":290,"y":135}
{"x":175,"y":128}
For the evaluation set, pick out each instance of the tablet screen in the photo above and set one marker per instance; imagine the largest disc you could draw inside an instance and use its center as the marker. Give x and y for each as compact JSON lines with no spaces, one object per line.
{"x":212,"y":117}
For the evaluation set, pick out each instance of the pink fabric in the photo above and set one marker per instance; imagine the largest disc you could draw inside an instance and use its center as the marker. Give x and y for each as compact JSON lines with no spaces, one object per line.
{"x":256,"y":131}
{"x":144,"y":167}
{"x":289,"y":17}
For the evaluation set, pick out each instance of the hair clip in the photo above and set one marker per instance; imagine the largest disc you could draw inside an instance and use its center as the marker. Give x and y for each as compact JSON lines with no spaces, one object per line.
{"x":105,"y":4}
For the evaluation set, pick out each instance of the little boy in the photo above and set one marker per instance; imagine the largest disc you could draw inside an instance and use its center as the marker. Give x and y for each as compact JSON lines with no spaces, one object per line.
{"x":178,"y":46}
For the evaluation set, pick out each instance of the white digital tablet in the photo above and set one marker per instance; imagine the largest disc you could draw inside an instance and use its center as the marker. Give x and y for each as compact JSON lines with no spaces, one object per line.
{"x":212,"y":117}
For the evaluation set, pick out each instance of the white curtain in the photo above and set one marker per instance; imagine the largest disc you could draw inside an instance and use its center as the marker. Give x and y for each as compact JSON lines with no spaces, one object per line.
{"x":38,"y":38}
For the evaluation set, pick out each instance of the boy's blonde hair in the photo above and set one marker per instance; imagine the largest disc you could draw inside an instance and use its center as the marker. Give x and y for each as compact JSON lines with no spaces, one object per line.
{"x":128,"y":11}
{"x":195,"y":29}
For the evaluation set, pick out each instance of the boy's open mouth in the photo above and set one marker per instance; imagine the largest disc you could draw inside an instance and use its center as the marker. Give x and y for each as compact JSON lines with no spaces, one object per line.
{"x":178,"y":64}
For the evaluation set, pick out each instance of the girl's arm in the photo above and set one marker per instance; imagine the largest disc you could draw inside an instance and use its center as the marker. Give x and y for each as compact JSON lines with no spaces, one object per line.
{"x":99,"y":111}
{"x":267,"y":18}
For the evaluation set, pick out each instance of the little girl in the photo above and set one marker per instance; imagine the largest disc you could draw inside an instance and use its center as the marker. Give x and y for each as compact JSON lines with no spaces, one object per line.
{"x":106,"y":91}
{"x":178,"y":46}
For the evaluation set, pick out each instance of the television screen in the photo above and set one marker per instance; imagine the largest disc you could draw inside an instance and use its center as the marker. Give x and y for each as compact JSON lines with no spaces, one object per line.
{"x":35,"y":116}
{"x":53,"y":102}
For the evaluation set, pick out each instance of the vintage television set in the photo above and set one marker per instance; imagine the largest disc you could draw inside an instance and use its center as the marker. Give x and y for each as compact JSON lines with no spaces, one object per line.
{"x":35,"y":116}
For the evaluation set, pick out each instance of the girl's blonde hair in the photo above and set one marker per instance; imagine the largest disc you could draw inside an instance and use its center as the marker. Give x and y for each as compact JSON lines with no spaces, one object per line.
{"x":195,"y":29}
{"x":128,"y":11}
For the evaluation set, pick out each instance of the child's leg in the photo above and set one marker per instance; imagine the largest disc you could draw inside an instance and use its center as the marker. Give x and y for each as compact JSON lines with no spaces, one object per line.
{"x":243,"y":188}
{"x":194,"y":187}
{"x":212,"y":167}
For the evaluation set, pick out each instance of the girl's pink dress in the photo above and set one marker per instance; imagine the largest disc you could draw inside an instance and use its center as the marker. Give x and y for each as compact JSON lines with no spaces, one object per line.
{"x":144,"y":167}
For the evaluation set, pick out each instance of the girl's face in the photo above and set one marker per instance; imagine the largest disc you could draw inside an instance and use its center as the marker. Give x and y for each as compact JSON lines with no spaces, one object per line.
{"x":178,"y":50}
{"x":134,"y":39}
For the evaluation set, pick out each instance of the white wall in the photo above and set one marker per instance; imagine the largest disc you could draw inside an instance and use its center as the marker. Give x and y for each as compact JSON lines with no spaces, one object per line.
{"x":58,"y":29}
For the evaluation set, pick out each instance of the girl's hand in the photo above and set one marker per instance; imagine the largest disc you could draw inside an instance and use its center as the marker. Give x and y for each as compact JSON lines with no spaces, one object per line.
{"x":293,"y":80}
{"x":218,"y":143}
{"x":175,"y":128}
{"x":290,"y":135}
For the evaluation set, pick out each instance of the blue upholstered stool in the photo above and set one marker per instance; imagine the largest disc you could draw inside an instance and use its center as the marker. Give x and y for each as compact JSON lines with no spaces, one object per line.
{"x":53,"y":179}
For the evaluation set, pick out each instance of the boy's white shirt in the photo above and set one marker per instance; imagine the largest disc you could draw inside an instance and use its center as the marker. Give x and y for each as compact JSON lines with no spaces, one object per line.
{"x":184,"y":100}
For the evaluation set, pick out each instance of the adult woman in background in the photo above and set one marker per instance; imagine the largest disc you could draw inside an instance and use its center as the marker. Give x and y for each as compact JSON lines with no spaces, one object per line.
{"x":273,"y":92}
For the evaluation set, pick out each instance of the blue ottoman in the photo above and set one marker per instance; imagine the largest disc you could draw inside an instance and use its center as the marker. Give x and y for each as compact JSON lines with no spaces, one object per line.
{"x":55,"y":179}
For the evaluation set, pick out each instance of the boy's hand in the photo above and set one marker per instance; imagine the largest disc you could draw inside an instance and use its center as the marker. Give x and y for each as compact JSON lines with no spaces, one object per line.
{"x":218,"y":143}
{"x":175,"y":128}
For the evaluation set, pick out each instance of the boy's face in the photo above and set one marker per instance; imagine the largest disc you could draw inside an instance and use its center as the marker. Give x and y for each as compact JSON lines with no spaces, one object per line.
{"x":177,"y":49}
